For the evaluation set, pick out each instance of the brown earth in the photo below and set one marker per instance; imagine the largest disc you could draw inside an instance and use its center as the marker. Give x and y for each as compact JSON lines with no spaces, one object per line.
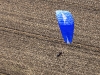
{"x":30,"y":38}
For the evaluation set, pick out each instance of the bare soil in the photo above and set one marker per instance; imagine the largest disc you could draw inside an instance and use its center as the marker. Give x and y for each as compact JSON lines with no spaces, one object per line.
{"x":30,"y":39}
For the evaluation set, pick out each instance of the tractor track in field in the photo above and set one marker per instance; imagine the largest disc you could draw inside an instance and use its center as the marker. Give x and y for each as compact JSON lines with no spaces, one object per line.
{"x":88,"y":48}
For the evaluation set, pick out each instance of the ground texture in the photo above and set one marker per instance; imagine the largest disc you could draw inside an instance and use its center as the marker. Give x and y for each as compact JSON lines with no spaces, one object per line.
{"x":30,"y":39}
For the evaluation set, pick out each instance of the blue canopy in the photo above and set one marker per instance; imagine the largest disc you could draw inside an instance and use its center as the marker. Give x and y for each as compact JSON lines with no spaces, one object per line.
{"x":66,"y":25}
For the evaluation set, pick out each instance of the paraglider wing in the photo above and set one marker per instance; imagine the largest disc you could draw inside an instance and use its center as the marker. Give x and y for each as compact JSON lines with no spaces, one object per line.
{"x":66,"y":25}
